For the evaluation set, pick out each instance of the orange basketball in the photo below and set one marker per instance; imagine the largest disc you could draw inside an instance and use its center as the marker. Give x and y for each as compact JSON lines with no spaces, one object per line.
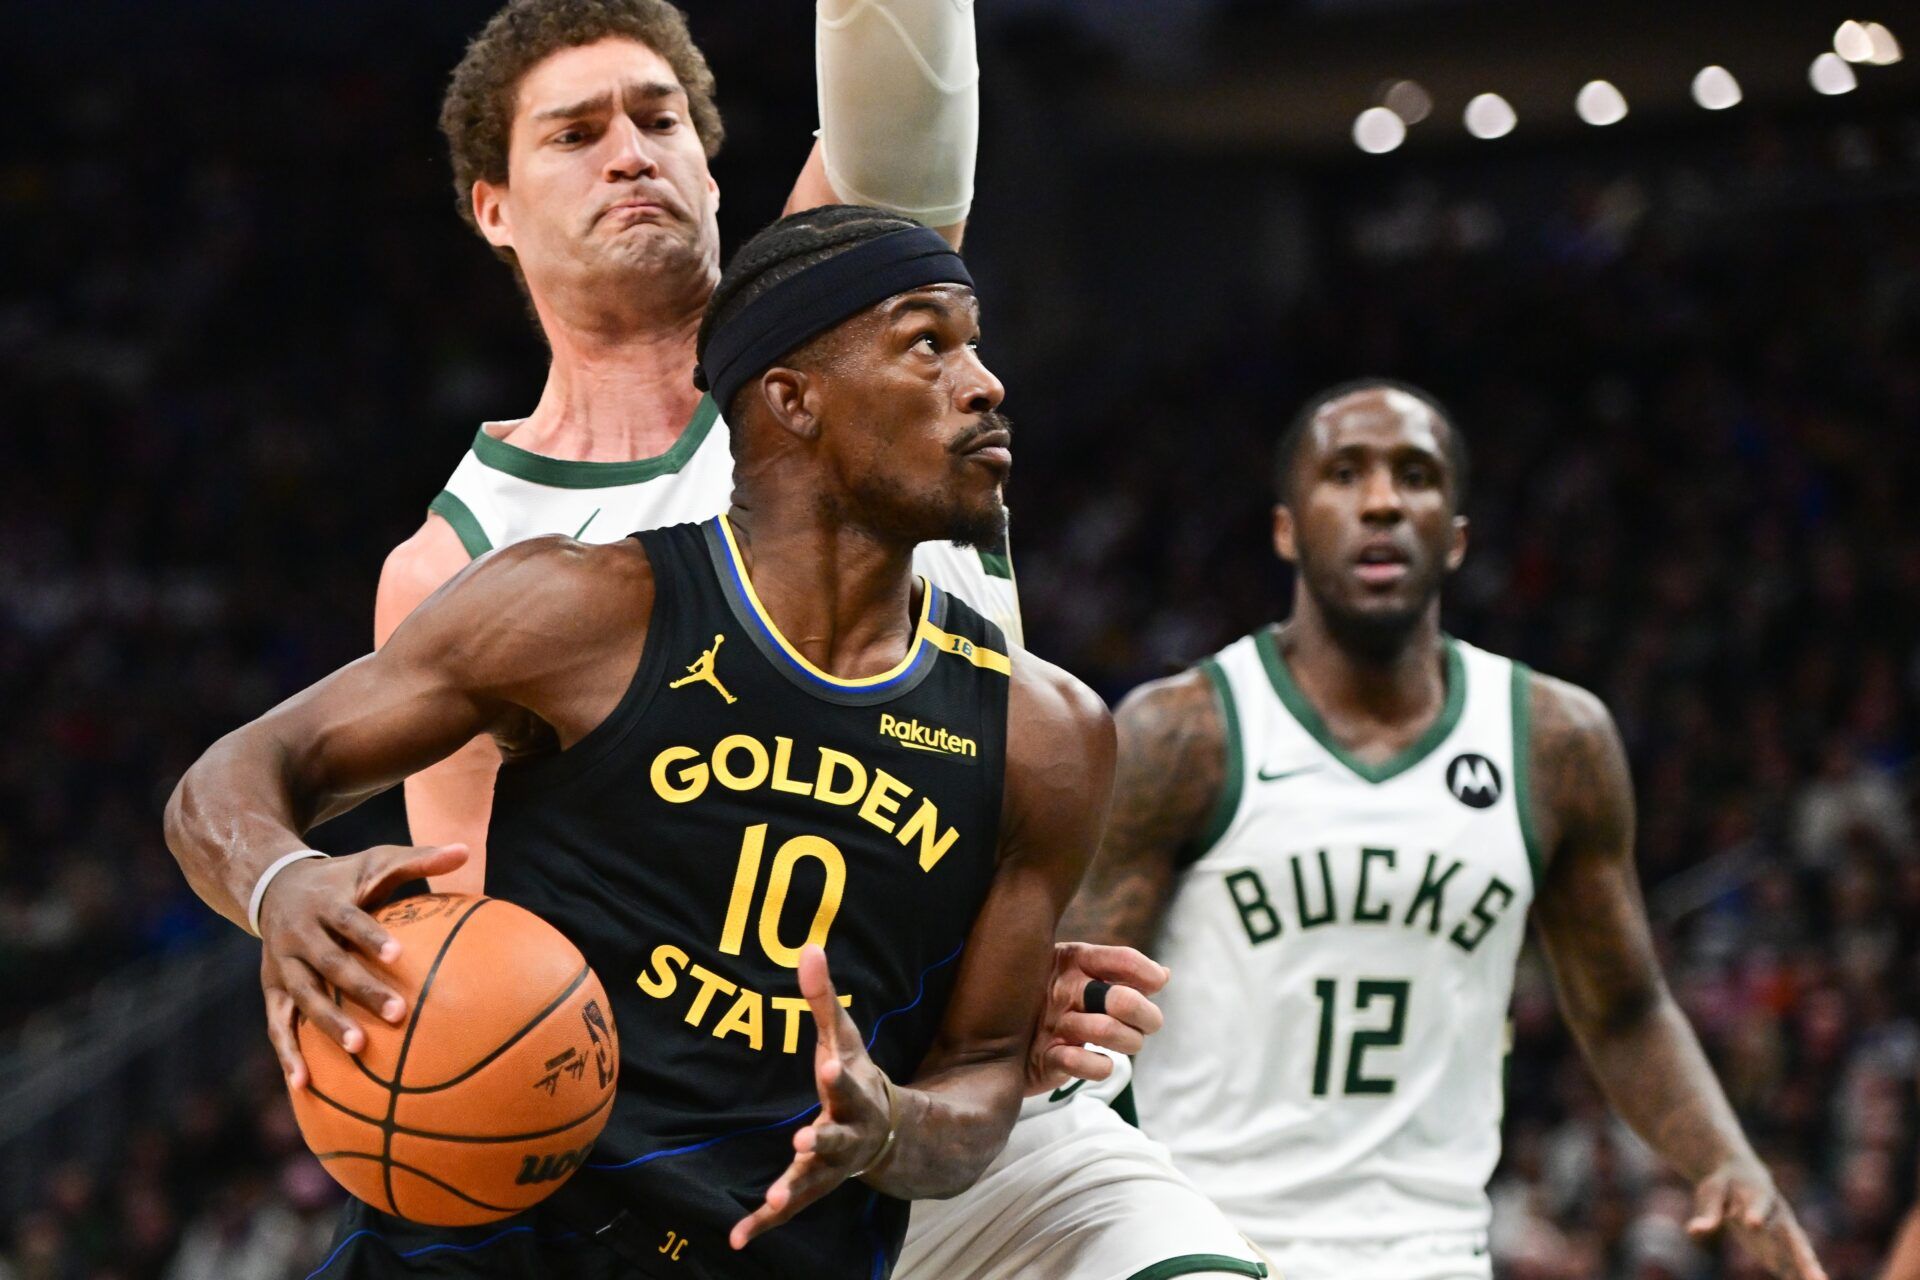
{"x":493,"y":1089}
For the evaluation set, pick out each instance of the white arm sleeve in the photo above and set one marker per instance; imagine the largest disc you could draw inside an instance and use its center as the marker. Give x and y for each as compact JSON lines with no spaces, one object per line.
{"x":900,"y":104}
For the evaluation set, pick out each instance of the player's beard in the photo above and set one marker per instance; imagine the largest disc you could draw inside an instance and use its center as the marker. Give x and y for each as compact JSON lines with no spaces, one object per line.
{"x":1378,"y":630}
{"x":957,"y":510}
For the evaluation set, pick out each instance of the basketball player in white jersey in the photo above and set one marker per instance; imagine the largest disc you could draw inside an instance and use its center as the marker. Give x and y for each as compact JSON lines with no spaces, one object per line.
{"x":1332,"y":831}
{"x":580,"y":132}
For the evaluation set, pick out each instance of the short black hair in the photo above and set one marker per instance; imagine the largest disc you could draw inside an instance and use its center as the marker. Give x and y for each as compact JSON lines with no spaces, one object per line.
{"x":1287,"y":452}
{"x":783,"y":250}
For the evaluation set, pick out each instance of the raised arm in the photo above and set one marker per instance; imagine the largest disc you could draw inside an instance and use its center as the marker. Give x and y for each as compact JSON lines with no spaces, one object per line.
{"x":1593,"y":925}
{"x":451,"y":801}
{"x":899,"y":90}
{"x":933,"y":1136}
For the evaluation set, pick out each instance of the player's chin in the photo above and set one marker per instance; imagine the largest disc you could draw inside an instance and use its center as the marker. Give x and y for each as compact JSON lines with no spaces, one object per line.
{"x":971,"y":519}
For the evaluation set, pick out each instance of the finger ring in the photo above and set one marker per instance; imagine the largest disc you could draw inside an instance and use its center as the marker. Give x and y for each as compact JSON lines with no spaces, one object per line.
{"x":1094,"y":998}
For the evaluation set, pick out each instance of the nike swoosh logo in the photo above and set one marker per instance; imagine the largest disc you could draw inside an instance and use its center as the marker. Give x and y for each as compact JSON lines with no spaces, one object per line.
{"x":1264,"y":776}
{"x":583,"y":524}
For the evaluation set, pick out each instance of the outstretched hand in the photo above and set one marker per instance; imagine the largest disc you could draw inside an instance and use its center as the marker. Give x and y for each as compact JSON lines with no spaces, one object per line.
{"x":316,"y":929}
{"x":854,"y":1119}
{"x":1740,"y":1198}
{"x":1059,"y":1053}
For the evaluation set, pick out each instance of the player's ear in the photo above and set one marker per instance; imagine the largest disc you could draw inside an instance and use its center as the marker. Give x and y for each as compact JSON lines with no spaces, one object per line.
{"x":490,"y":213}
{"x":1283,"y":540}
{"x":1457,"y":550}
{"x":793,"y":399}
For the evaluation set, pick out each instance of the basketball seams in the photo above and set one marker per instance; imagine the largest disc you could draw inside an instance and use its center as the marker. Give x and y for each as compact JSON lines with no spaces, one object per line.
{"x":418,"y":1173}
{"x":436,"y":1135}
{"x":579,"y":980}
{"x":406,"y":1043}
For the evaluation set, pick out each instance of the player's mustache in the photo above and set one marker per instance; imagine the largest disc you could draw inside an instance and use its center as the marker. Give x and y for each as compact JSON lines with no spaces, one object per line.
{"x":989,"y":423}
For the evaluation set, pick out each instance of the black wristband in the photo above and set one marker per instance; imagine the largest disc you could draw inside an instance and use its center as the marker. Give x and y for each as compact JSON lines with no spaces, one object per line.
{"x":1094,"y":998}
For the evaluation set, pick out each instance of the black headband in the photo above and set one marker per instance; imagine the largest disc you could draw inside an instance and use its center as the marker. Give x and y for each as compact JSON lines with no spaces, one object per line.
{"x":818,"y":298}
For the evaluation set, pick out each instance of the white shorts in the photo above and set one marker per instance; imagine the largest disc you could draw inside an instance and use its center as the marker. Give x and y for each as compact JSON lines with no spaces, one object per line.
{"x":1079,"y":1194}
{"x":1453,"y":1255}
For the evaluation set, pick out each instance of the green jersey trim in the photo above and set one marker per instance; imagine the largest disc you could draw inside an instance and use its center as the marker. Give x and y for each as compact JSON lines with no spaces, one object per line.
{"x":997,"y":564}
{"x":465,"y":525}
{"x":1227,"y":803}
{"x":1190,"y":1263}
{"x":1310,"y":719}
{"x":568,"y":473}
{"x":1522,"y":766}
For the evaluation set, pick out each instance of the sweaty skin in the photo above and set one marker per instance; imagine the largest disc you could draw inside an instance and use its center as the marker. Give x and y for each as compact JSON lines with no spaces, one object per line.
{"x":1351,"y":487}
{"x":618,"y":295}
{"x":535,"y":645}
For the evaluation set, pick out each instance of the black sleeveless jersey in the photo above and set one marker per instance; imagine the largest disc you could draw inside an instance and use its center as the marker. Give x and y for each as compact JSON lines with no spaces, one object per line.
{"x":738,"y":804}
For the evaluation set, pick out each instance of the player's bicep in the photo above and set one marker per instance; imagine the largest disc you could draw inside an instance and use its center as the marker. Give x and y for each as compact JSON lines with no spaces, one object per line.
{"x":1591,"y":915}
{"x":1059,"y":780}
{"x":1169,"y":777}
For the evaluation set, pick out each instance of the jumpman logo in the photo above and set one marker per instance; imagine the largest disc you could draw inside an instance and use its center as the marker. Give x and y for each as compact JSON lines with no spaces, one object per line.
{"x":702,"y":669}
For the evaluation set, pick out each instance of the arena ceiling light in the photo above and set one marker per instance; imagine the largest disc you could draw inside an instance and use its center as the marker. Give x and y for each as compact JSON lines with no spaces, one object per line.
{"x":1715,"y":88}
{"x":1868,"y":42}
{"x":1831,"y":75}
{"x":1851,"y":41}
{"x":1599,"y":103}
{"x":1409,"y":100}
{"x":1885,"y":49}
{"x":1377,"y":131}
{"x":1490,"y":116}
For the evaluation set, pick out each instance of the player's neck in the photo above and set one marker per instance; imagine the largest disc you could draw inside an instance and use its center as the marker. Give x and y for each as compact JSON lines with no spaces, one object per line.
{"x":842,"y":597}
{"x":612,"y":394}
{"x":1366,"y":689}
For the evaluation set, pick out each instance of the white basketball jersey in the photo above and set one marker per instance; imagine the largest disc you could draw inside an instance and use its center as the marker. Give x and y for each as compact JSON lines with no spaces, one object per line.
{"x":501,"y":494}
{"x":1343,"y":951}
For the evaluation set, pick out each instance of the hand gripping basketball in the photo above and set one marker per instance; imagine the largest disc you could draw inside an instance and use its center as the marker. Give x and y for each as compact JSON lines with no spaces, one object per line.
{"x":314,"y":929}
{"x":1126,"y":1018}
{"x":859,"y":1116}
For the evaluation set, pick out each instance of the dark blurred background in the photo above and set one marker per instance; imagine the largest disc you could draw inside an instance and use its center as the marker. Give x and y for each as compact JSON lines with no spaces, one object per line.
{"x":244,"y":338}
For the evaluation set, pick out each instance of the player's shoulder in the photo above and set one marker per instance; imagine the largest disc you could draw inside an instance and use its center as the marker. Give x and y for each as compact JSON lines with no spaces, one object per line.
{"x":414,"y":570}
{"x":1047,"y":702}
{"x":1581,"y":780}
{"x":554,"y":568}
{"x":1175,"y":722}
{"x":1565,"y":716}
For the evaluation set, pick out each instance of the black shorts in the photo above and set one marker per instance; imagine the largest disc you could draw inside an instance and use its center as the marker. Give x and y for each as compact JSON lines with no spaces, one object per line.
{"x":538,"y":1245}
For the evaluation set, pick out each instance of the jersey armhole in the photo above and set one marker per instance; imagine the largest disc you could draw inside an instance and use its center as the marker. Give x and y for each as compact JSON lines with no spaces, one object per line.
{"x":1523,"y":766}
{"x":1227,"y":804}
{"x":466,"y":526}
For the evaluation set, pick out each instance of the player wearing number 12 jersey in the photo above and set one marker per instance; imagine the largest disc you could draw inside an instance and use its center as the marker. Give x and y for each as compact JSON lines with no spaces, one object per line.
{"x":1332,"y":832}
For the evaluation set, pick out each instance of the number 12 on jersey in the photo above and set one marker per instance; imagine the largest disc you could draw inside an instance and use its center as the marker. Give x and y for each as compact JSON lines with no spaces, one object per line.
{"x":1367,"y":993}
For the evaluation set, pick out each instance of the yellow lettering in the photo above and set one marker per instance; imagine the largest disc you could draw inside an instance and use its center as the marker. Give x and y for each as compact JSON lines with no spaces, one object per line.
{"x":709,"y":983}
{"x":744,"y":876}
{"x":924,"y":822}
{"x":666,"y":957}
{"x":742,"y":1019}
{"x":692,"y":781}
{"x":756,"y":752}
{"x":883,"y":800}
{"x":793,"y":1007}
{"x":823,"y":788}
{"x":782,"y":758}
{"x":780,"y":879}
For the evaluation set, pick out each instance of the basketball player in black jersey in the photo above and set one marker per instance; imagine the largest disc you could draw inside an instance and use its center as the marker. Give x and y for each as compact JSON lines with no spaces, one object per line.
{"x":734,"y":750}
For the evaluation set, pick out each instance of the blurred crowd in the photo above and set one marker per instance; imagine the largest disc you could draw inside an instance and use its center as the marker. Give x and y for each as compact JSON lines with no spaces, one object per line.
{"x":243,"y":339}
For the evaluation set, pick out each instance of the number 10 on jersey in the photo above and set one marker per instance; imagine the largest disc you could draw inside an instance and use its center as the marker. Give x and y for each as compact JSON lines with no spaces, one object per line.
{"x":1367,"y":994}
{"x":779,"y":880}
